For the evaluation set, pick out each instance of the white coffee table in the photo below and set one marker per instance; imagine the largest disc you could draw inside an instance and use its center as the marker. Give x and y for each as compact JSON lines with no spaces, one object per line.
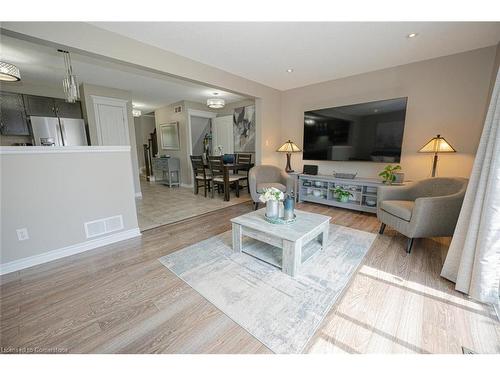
{"x":298,"y":240}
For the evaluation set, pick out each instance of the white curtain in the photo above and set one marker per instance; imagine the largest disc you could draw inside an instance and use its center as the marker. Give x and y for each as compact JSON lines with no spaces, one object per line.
{"x":473,"y":260}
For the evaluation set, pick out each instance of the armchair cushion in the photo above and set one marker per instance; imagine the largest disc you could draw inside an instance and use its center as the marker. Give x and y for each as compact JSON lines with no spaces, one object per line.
{"x":401,"y":209}
{"x":430,"y":209}
{"x":266,"y":185}
{"x":262,"y":176}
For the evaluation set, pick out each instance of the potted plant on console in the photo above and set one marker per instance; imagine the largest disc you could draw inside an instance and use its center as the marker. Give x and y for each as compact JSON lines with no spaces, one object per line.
{"x":389,"y":174}
{"x":341,"y":194}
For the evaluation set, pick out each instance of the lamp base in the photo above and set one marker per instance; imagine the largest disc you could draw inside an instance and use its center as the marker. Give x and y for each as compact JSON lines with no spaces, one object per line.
{"x":434,"y":164}
{"x":288,"y":168}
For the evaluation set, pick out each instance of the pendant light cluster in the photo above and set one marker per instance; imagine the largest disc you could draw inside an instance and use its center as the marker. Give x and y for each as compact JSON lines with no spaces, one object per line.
{"x":70,"y":83}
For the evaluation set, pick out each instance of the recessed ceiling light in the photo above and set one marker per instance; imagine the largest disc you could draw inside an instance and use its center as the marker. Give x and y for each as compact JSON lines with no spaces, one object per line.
{"x":412,"y":35}
{"x":289,"y":70}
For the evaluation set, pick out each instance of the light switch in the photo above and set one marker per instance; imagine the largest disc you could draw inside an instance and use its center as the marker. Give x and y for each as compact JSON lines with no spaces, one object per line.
{"x":22,"y":234}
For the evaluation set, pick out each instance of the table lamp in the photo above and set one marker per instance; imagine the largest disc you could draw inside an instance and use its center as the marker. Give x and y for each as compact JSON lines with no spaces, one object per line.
{"x":289,"y":147}
{"x":436,"y":145}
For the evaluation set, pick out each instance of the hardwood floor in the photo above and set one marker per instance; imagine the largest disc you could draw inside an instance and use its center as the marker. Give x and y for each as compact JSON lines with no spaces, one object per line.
{"x":120,"y":299}
{"x":162,"y":205}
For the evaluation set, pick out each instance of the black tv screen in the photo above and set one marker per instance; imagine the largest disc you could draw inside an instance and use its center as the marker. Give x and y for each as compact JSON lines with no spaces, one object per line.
{"x":360,"y":132}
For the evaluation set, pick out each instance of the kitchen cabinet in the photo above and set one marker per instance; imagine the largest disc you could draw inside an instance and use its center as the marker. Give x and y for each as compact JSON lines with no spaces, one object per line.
{"x":68,"y":110}
{"x":39,"y":106}
{"x":51,"y":107}
{"x":13,"y":120}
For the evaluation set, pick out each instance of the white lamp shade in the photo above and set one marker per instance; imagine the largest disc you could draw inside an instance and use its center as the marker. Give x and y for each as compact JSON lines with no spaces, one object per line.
{"x":437,"y":144}
{"x":289,"y":146}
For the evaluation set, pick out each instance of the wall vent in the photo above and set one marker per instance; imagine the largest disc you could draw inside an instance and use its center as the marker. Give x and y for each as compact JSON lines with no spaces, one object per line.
{"x":103,"y":226}
{"x":178,"y":109}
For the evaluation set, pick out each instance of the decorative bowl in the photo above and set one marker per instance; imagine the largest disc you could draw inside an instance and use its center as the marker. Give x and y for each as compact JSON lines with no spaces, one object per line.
{"x":371,"y":202}
{"x":279,"y":220}
{"x":317,"y":193}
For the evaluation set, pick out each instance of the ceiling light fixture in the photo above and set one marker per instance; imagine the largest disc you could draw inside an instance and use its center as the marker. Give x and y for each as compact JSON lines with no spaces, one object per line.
{"x":216,"y":103}
{"x":289,"y":70}
{"x":9,"y":72}
{"x":136,"y":112}
{"x":70,"y":83}
{"x":412,"y":35}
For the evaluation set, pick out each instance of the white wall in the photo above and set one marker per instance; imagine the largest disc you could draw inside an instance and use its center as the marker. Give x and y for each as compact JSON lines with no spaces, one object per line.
{"x":53,"y":191}
{"x":446,"y":96}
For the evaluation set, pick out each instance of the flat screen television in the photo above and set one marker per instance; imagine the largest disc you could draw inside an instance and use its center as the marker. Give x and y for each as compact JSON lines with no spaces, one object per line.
{"x":360,"y":132}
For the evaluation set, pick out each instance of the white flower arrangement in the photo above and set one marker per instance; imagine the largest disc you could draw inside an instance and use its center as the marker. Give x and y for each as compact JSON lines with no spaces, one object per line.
{"x":271,"y":194}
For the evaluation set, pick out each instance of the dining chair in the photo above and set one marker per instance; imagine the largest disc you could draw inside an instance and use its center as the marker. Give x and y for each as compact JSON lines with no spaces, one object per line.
{"x":216,"y":165}
{"x":244,"y":159}
{"x":200,"y":176}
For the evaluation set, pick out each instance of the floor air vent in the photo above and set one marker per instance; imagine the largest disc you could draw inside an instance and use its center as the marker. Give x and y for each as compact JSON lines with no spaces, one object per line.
{"x":103,"y":226}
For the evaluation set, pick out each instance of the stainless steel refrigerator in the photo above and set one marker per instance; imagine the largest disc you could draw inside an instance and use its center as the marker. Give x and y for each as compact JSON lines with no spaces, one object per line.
{"x":55,"y":131}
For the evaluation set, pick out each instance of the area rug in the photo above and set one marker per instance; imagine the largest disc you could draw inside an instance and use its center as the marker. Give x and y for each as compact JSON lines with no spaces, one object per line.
{"x":280,"y":311}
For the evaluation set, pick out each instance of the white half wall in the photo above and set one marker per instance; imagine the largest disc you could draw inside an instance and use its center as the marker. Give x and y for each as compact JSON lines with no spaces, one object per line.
{"x":53,"y":191}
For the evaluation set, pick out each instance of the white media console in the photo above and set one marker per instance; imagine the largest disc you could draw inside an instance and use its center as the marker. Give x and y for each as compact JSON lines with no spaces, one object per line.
{"x":319,"y":189}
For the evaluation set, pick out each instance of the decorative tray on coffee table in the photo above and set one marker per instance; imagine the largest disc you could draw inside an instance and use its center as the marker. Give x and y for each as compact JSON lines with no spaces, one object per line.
{"x":280,"y":220}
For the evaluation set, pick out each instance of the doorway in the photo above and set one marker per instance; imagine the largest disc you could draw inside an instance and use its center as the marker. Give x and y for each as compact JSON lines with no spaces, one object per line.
{"x":199,"y":139}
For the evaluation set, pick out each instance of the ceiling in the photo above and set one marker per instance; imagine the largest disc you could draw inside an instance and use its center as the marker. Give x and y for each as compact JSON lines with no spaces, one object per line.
{"x":316,"y":52}
{"x":43,"y":66}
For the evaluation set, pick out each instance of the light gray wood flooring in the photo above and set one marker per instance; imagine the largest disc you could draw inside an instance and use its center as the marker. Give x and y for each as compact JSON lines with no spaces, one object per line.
{"x":120,"y":299}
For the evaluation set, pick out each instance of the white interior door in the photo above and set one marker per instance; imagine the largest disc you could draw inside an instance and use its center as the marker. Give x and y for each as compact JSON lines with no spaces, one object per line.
{"x":223,"y":134}
{"x":111,"y":121}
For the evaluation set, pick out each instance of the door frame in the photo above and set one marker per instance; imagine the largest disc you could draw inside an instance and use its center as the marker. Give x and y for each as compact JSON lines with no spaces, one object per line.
{"x":122,"y":103}
{"x":197,"y":113}
{"x":215,"y":133}
{"x":189,"y":148}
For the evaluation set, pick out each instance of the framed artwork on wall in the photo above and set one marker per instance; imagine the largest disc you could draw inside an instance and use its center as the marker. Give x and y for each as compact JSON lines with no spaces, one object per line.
{"x":244,"y":129}
{"x":169,"y":135}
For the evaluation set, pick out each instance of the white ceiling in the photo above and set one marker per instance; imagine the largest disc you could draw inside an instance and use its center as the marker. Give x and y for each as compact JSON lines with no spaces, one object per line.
{"x":43,"y":66}
{"x":317,"y":52}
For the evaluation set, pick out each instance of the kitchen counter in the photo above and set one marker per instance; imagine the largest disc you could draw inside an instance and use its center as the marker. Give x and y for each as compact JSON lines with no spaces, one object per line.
{"x":60,"y":149}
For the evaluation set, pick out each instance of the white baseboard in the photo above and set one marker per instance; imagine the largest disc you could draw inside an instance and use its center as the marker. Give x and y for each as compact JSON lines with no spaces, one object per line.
{"x":34,"y":260}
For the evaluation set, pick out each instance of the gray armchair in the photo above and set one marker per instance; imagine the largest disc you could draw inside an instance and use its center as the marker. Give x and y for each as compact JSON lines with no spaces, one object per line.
{"x":427,"y":208}
{"x":265,"y":176}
